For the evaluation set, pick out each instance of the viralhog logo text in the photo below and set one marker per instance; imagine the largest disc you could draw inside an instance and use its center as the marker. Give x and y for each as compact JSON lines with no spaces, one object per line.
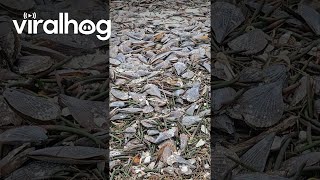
{"x":61,"y":26}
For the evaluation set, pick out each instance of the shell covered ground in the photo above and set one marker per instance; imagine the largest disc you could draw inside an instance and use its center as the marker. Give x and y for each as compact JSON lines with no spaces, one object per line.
{"x":265,"y":89}
{"x":160,"y":90}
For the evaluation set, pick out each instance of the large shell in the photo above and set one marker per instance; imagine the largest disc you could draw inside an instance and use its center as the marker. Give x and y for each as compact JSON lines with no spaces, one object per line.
{"x":87,"y":61}
{"x":9,"y":42}
{"x":36,"y":169}
{"x":272,"y":73}
{"x":226,"y":17}
{"x":257,"y":156}
{"x":34,"y":64}
{"x":250,"y":74}
{"x":250,"y":43}
{"x":223,"y":123}
{"x":23,"y":134}
{"x":89,"y":114}
{"x":222,"y":96}
{"x":262,"y":106}
{"x":32,"y":106}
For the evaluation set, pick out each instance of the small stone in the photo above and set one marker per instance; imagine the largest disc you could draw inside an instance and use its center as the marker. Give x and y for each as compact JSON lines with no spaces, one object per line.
{"x":200,"y":143}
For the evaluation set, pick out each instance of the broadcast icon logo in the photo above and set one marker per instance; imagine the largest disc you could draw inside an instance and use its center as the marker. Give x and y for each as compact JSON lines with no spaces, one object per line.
{"x":27,"y":15}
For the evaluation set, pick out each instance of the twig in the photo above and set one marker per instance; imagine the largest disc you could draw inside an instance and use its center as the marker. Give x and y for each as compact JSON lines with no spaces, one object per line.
{"x":281,"y":154}
{"x":53,"y":68}
{"x":315,"y":143}
{"x":225,"y":84}
{"x":98,"y":96}
{"x":305,"y":51}
{"x":76,"y":131}
{"x":310,"y":96}
{"x":87,"y":81}
{"x":309,"y":135}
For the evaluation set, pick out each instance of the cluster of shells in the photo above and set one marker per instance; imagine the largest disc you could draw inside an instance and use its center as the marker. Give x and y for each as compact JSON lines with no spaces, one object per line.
{"x":160,"y":89}
{"x":265,"y":89}
{"x":53,"y":110}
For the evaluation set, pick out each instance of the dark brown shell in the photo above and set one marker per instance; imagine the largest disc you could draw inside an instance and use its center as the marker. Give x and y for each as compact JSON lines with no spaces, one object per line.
{"x":223,"y":123}
{"x":219,"y":73}
{"x":250,"y":74}
{"x":222,"y":96}
{"x":32,"y":106}
{"x":262,"y":106}
{"x":9,"y":42}
{"x":257,"y":156}
{"x":34,"y":64}
{"x":250,"y":43}
{"x":272,"y":73}
{"x":36,"y":169}
{"x":226,"y":17}
{"x":89,"y":114}
{"x":23,"y":134}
